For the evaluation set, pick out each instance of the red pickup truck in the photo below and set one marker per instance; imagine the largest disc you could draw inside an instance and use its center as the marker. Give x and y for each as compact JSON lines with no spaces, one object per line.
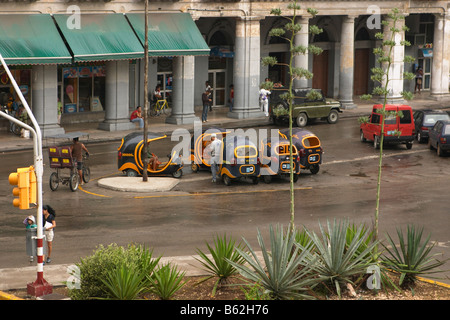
{"x":398,"y":125}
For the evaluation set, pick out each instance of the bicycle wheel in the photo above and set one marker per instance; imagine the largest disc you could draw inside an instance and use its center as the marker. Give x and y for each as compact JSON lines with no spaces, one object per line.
{"x":86,"y":174}
{"x":54,"y":181}
{"x":16,"y":129}
{"x":166,"y":109}
{"x":73,"y":181}
{"x":154,"y":111}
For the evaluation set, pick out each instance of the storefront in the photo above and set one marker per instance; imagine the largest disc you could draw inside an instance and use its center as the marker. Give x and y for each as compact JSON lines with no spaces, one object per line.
{"x":82,"y":88}
{"x":22,"y":75}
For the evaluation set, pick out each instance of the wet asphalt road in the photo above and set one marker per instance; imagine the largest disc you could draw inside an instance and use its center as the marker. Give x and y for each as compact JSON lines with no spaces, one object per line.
{"x":414,"y":190}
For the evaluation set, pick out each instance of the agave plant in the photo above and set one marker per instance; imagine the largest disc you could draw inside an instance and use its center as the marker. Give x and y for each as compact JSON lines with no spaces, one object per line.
{"x":413,"y":256}
{"x":338,"y":261}
{"x":280,"y":275}
{"x":166,"y":281}
{"x":219,"y":266}
{"x":124,"y":283}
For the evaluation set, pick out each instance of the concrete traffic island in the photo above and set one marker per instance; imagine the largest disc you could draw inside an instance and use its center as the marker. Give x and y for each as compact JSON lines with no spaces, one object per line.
{"x":136,"y":184}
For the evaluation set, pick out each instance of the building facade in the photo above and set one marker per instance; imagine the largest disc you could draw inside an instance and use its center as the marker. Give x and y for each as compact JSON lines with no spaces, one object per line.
{"x":101,"y":78}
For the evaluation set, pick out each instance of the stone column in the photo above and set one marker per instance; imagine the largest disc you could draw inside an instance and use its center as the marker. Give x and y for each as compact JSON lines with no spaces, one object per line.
{"x":183,"y":91}
{"x":441,"y":57}
{"x":117,"y":115}
{"x":395,"y":85}
{"x":347,"y":51}
{"x":301,"y":60}
{"x":247,"y":68}
{"x":44,"y":104}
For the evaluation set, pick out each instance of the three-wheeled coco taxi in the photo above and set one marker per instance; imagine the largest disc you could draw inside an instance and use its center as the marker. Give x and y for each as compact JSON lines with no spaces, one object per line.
{"x":275,"y":157}
{"x":199,"y":143}
{"x":308,"y":147}
{"x":240,"y":159}
{"x":131,"y":162}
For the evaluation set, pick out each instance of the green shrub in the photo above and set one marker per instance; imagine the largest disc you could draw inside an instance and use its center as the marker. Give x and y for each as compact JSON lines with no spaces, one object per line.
{"x":284,"y":274}
{"x":124,"y":283}
{"x":338,"y":261}
{"x":166,"y":281}
{"x":219,"y":266}
{"x":104,"y":262}
{"x":413,"y":257}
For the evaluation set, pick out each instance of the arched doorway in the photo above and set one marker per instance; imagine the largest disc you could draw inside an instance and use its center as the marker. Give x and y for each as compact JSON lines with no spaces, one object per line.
{"x":361,"y":63}
{"x":320,"y":65}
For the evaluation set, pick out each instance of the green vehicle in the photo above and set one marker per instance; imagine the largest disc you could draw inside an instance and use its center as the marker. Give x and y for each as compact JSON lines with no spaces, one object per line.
{"x":303,"y":109}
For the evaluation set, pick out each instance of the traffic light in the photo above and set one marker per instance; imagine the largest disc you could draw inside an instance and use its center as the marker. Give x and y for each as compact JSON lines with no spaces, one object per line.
{"x":25,"y":180}
{"x":32,"y":189}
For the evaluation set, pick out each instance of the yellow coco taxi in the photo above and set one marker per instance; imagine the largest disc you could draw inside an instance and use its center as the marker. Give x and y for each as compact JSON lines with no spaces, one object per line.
{"x":130,"y":157}
{"x":240,"y":159}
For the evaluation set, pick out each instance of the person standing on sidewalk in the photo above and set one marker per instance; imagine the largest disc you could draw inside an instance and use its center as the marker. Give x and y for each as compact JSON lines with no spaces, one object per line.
{"x":206,"y":100}
{"x":214,"y":150}
{"x":209,"y":89}
{"x":231,"y":98}
{"x":264,"y":100}
{"x":49,"y":225}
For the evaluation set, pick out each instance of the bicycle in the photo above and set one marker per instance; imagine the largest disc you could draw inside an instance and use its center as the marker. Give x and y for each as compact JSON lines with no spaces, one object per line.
{"x":159,"y":107}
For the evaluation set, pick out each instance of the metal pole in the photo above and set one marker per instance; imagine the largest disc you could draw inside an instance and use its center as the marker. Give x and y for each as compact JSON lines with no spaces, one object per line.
{"x":145,"y":150}
{"x":40,"y":286}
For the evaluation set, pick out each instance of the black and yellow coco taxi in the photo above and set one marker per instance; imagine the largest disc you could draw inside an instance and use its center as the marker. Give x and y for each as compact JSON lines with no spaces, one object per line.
{"x":308,"y":147}
{"x":130,"y":157}
{"x":240,"y":159}
{"x":275,"y":155}
{"x":200,"y":158}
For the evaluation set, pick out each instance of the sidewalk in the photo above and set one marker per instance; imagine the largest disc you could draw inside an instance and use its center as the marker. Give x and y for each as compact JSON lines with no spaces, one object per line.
{"x":17,"y":278}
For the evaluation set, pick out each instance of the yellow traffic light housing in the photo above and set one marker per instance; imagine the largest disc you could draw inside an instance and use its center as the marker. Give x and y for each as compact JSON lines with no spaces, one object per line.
{"x":32,"y":193}
{"x":22,"y":179}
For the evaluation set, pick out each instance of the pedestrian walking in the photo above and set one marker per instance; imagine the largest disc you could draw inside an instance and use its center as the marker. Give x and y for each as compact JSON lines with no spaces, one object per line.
{"x":215,"y":148}
{"x":206,"y":105}
{"x":264,"y":100}
{"x":49,"y":225}
{"x":77,"y":152}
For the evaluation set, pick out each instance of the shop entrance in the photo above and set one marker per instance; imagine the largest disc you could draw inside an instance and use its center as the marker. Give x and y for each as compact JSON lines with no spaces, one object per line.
{"x":426,"y":63}
{"x":217,"y":81}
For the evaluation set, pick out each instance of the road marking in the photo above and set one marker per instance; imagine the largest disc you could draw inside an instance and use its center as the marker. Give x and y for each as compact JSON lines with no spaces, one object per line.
{"x":94,"y":194}
{"x":375,"y":157}
{"x":217,"y":193}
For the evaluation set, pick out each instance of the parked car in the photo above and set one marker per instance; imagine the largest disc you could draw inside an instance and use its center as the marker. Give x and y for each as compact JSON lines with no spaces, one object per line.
{"x":424,"y":120}
{"x":302,"y":109}
{"x":439,"y":137}
{"x":398,"y":125}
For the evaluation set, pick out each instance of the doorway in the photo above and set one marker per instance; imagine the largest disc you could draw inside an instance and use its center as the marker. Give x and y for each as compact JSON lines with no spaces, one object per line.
{"x":217,"y":81}
{"x":320,"y":71}
{"x":426,"y":63}
{"x":361,"y":72}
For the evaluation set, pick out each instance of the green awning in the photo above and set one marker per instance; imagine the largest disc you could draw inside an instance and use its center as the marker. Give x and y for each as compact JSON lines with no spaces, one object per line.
{"x":100,"y":37}
{"x":31,"y":39}
{"x":169,"y":34}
